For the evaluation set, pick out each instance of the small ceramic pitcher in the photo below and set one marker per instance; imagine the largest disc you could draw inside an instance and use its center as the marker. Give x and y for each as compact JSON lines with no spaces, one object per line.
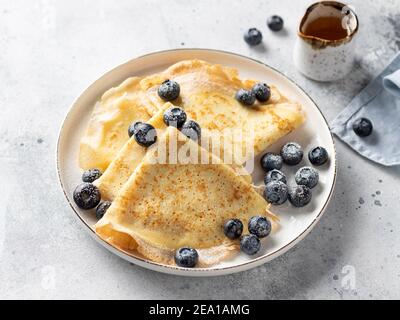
{"x":324,"y":49}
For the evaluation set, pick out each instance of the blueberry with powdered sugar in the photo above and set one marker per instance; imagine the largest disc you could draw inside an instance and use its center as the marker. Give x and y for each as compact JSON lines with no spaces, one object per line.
{"x":192,"y":130}
{"x":275,"y":175}
{"x":102,"y":209}
{"x":300,"y":196}
{"x":91,"y":175}
{"x":318,"y":156}
{"x":259,"y":226}
{"x":250,"y":244}
{"x":291,"y":153}
{"x":307,"y":176}
{"x":270,"y":161}
{"x":233,"y":228}
{"x":175,"y":117}
{"x":246,"y":97}
{"x":262,"y":92}
{"x":276,"y":192}
{"x":186,"y":257}
{"x":169,"y":90}
{"x":86,"y":196}
{"x":144,"y":133}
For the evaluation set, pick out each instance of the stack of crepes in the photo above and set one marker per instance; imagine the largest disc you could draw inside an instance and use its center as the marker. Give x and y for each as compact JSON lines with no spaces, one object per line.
{"x":159,"y":206}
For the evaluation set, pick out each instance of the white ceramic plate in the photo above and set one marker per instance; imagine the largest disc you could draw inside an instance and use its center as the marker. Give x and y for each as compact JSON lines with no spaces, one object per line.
{"x":295,"y":223}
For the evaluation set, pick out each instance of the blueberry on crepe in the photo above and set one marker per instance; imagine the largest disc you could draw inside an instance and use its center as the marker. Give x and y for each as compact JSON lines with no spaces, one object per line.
{"x":169,"y":90}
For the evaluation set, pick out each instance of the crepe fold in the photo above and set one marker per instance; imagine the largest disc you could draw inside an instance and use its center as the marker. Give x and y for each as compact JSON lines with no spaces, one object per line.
{"x":233,"y":132}
{"x":207,"y":94}
{"x":165,"y":205}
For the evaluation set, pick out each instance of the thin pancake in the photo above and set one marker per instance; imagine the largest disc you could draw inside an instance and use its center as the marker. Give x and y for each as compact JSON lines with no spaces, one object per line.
{"x":130,"y":156}
{"x":207,"y":95}
{"x":107,"y":129}
{"x":164,"y":206}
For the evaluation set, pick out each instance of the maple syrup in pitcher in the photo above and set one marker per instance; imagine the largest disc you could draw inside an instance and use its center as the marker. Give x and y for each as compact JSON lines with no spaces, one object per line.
{"x":328,"y":28}
{"x":325,"y":46}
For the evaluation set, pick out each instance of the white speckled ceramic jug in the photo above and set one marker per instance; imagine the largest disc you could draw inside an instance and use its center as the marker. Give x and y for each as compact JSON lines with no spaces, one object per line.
{"x":324,"y":49}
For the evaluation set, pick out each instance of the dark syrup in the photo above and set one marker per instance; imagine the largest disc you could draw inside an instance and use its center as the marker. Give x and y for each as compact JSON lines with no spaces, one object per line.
{"x":327,"y":28}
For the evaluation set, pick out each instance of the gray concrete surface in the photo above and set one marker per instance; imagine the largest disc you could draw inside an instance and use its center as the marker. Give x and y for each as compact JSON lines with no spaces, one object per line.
{"x":51,"y":50}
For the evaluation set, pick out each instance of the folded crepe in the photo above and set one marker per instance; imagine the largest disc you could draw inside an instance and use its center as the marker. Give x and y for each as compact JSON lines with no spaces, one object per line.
{"x":131,"y":154}
{"x":168,"y":204}
{"x":107,"y":130}
{"x":207,"y":95}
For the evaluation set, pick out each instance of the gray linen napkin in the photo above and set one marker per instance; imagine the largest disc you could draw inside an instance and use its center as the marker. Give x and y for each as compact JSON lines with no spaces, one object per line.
{"x":379,"y":101}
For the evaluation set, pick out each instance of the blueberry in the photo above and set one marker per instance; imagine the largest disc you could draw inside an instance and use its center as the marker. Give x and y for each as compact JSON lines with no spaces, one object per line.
{"x":91,"y":175}
{"x":307,"y":176}
{"x":259,"y":226}
{"x":186,"y":257}
{"x":102,"y":209}
{"x":144,"y":133}
{"x":233,"y":228}
{"x":250,"y":244}
{"x":262,"y":92}
{"x":87,"y":196}
{"x":246,"y":97}
{"x":274,"y":175}
{"x":300,"y":196}
{"x":362,"y":127}
{"x":169,"y":90}
{"x":318,"y":156}
{"x":253,"y":37}
{"x":191,"y":129}
{"x":276,"y":192}
{"x":275,"y":23}
{"x":271,"y":161}
{"x":291,"y":153}
{"x":131,"y":128}
{"x":175,"y":117}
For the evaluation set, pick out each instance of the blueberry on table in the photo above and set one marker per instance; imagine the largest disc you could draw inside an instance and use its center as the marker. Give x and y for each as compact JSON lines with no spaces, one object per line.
{"x":191,"y":129}
{"x":271,"y":161}
{"x":91,"y":175}
{"x":102,"y":209}
{"x":262,"y":92}
{"x":87,"y":196}
{"x":275,"y":23}
{"x":169,"y":90}
{"x":145,"y":134}
{"x":318,"y":156}
{"x":253,"y":37}
{"x":300,"y":196}
{"x":276,"y":192}
{"x":250,"y":244}
{"x":291,"y":153}
{"x":186,"y":257}
{"x":259,"y":226}
{"x":246,"y":97}
{"x":233,"y":228}
{"x":175,"y":117}
{"x":274,"y":175}
{"x":362,"y":127}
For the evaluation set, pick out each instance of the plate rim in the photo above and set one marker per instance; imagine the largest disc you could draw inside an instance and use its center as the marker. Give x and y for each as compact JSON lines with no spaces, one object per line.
{"x":171,"y":269}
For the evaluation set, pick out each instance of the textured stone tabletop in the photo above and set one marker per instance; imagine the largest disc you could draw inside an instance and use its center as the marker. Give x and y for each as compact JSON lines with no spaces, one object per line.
{"x":51,"y":50}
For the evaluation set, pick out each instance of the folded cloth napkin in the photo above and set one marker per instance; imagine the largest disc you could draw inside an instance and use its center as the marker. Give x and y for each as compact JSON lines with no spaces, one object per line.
{"x":379,"y":101}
